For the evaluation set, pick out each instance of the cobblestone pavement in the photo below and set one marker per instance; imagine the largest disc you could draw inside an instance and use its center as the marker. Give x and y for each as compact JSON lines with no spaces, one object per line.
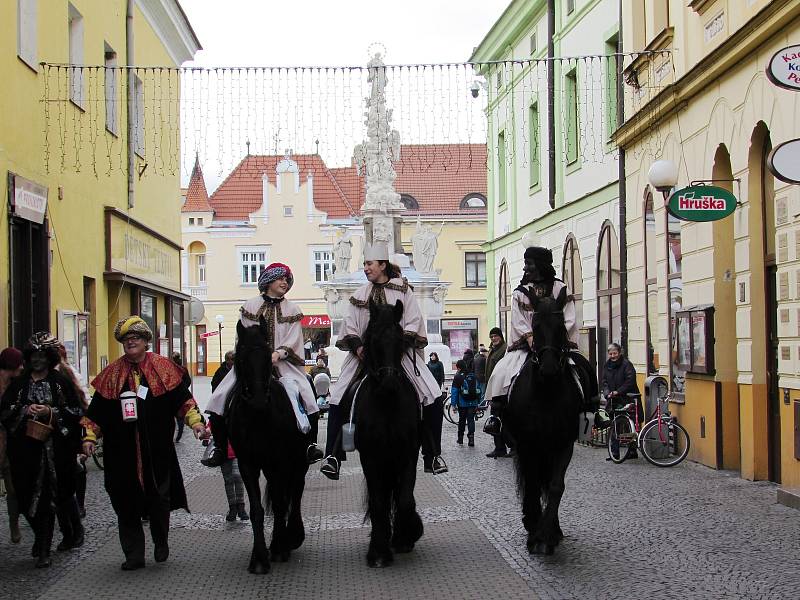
{"x":631,"y":529}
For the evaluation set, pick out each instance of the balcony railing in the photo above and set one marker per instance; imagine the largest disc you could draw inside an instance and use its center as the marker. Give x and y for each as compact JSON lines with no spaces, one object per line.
{"x":198,"y":291}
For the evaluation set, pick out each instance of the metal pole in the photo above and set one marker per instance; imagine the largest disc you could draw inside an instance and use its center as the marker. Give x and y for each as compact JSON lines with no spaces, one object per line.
{"x":551,"y":103}
{"x":220,"y":342}
{"x":131,"y":95}
{"x":623,"y":200}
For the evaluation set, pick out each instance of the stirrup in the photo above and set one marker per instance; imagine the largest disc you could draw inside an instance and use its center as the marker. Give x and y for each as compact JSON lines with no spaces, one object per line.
{"x":330,"y":470}
{"x":314,"y":454}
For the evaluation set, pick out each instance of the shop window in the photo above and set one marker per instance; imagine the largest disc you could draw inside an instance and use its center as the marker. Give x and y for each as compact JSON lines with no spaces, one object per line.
{"x":148,"y":311}
{"x":475,"y":269}
{"x":694,"y":340}
{"x":73,"y":331}
{"x":459,"y":335}
{"x":26,"y":32}
{"x":110,"y":75}
{"x":176,"y":328}
{"x":609,"y":293}
{"x":503,"y":300}
{"x":252,"y":261}
{"x":651,"y":285}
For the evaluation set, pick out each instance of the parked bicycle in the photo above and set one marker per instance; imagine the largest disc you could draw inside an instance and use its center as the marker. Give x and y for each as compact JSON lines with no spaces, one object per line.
{"x":98,"y":453}
{"x":662,"y":440}
{"x":451,"y":412}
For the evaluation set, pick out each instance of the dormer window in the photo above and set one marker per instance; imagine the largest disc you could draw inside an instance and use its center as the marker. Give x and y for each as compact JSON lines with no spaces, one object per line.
{"x":473,"y":201}
{"x":409,"y":202}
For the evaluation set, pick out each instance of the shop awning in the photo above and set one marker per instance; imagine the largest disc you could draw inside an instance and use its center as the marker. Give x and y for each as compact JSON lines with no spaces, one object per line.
{"x":316,"y":321}
{"x":160,"y":289}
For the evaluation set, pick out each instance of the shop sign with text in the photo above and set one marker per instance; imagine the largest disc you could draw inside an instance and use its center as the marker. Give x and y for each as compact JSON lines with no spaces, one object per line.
{"x":784,"y":68}
{"x":29,"y":199}
{"x":701,"y":203}
{"x":784,"y":161}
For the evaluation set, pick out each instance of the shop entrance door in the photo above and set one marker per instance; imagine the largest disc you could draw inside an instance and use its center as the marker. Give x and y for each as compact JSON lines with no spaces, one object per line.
{"x":201,"y":358}
{"x":30,"y":279}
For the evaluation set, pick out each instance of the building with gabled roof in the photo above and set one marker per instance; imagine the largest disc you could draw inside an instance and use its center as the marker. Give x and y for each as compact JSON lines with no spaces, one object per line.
{"x":293,"y":209}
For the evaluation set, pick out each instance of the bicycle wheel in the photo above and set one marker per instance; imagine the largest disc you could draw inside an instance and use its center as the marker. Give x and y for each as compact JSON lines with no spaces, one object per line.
{"x":98,"y":455}
{"x":664,"y":442}
{"x":450,"y":412}
{"x":621,"y":437}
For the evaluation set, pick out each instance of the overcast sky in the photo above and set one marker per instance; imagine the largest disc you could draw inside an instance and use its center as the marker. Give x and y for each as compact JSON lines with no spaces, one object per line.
{"x":338,"y":33}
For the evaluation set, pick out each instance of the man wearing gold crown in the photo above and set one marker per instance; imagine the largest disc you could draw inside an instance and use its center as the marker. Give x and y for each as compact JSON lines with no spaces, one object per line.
{"x":385,"y":285}
{"x":142,"y":474}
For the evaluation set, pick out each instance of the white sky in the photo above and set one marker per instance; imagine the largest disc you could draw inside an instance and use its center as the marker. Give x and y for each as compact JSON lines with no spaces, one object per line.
{"x":338,"y":33}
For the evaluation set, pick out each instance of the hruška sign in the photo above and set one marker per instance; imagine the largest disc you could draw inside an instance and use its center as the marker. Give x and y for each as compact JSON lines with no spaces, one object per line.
{"x":701,"y":203}
{"x":783,"y":68}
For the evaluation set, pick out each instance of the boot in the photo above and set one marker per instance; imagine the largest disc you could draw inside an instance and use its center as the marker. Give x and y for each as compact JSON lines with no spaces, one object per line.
{"x":231,"y":516}
{"x":494,"y":425}
{"x":219,"y":454}
{"x":13,"y":526}
{"x":460,"y":439}
{"x":47,"y":524}
{"x":470,"y":439}
{"x":243,"y":516}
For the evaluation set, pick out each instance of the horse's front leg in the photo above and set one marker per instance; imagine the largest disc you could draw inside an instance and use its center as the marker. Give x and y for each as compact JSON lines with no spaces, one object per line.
{"x":531,"y":492}
{"x":278,"y":494}
{"x":379,"y":492}
{"x":549,"y":533}
{"x":407,"y":527}
{"x":259,"y":558}
{"x":296,"y":533}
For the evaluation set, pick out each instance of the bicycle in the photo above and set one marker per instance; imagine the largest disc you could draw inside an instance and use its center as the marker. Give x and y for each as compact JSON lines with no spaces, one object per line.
{"x":451,"y":412}
{"x":97,"y":455}
{"x":663,"y":441}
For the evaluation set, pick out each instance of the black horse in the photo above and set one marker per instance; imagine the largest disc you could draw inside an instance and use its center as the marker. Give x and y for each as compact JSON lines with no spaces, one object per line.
{"x":542,"y":416}
{"x":264,"y":434}
{"x":387,"y":418}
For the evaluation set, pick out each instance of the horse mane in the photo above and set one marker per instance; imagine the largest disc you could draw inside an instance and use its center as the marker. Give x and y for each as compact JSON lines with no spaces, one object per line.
{"x":249,"y":340}
{"x":384,"y":332}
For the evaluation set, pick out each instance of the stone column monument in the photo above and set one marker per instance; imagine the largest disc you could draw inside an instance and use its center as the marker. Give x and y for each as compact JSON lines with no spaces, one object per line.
{"x":382,"y":217}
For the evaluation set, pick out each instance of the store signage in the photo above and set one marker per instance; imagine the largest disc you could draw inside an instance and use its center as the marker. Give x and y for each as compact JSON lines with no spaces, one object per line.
{"x":784,"y":161}
{"x":459,"y":324}
{"x":29,"y":199}
{"x":701,"y":203}
{"x":783,"y":68}
{"x":208,"y":334}
{"x":316,"y":321}
{"x":139,"y":252}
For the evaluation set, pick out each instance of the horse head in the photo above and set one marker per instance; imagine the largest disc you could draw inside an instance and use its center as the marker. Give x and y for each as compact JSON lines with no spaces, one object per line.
{"x":253,"y":361}
{"x":383,"y":339}
{"x":549,"y":334}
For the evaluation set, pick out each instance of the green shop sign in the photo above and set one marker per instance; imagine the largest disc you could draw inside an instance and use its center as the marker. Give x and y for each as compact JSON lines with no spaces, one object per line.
{"x":701,"y":203}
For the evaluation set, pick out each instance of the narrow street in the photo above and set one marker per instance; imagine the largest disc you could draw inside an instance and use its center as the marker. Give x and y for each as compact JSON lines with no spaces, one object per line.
{"x":631,"y":529}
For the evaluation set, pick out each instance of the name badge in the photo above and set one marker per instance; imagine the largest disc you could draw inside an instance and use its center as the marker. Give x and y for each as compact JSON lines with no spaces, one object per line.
{"x":142,"y":392}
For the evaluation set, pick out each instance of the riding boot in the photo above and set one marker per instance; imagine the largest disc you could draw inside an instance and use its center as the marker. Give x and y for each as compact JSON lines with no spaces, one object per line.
{"x":494,"y":425}
{"x":219,"y":454}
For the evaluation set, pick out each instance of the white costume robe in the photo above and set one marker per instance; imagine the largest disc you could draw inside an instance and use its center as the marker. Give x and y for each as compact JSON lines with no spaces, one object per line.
{"x":413,"y":324}
{"x":287,"y":334}
{"x":521,"y":331}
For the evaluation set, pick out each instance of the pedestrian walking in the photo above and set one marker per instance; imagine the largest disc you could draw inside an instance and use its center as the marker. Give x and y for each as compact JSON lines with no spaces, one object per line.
{"x":41,"y":413}
{"x":10,"y":367}
{"x":497,"y":350}
{"x":432,"y":436}
{"x":479,"y":368}
{"x":134,"y":406}
{"x":465,"y":395}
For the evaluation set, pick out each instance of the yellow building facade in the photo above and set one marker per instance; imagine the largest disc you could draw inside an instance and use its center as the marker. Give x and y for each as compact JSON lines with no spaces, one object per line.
{"x":79,"y":246}
{"x":295,"y":210}
{"x":717,"y":119}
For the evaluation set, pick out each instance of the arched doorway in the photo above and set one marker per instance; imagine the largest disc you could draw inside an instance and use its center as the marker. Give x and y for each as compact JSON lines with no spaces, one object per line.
{"x":609,"y":292}
{"x":572,"y":274}
{"x":725,"y":363}
{"x":760,"y":409}
{"x":503,"y":300}
{"x":651,"y":285}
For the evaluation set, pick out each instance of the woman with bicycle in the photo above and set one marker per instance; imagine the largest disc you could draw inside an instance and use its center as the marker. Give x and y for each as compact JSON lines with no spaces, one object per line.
{"x":619,"y":380}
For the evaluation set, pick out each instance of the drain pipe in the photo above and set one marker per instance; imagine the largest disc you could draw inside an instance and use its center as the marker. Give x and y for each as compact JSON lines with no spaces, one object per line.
{"x":623,"y":212}
{"x":551,"y":102}
{"x":131,"y":95}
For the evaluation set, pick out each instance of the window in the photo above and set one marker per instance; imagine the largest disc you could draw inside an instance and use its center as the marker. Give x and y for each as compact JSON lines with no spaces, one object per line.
{"x":76,"y":84}
{"x":570,"y":6}
{"x":475,"y":269}
{"x":571,"y":115}
{"x":501,"y":168}
{"x":201,"y":269}
{"x":199,"y":220}
{"x":110,"y":73}
{"x":288,"y":211}
{"x":609,"y":298}
{"x":651,"y":283}
{"x":148,"y":310}
{"x":611,"y":86}
{"x":500,"y":77}
{"x":26,"y":32}
{"x":677,"y":370}
{"x":533,"y":44}
{"x":323,"y":265}
{"x":503,"y":300}
{"x":473,"y":201}
{"x":533,"y":140}
{"x":191,"y":220}
{"x":73,"y":331}
{"x":572,"y":274}
{"x":176,"y":329}
{"x":253,"y":261}
{"x":138,"y":116}
{"x":409,"y":201}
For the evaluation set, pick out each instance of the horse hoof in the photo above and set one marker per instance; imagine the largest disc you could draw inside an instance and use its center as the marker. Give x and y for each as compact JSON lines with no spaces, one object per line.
{"x":258,"y":568}
{"x":403,"y":548}
{"x":379,"y":562}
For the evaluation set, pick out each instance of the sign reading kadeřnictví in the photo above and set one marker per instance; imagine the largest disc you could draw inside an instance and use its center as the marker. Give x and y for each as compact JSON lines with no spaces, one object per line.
{"x":783,"y":68}
{"x":701,"y":203}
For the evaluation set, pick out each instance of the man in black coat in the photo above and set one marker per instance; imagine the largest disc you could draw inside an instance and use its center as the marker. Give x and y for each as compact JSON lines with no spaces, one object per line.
{"x":222,"y":370}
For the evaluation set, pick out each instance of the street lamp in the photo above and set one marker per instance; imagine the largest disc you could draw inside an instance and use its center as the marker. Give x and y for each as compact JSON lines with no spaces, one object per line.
{"x":663,"y":175}
{"x":220,"y":321}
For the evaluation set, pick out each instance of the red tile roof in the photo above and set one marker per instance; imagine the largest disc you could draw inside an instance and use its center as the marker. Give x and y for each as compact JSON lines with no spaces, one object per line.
{"x":437,"y":176}
{"x":196,"y":193}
